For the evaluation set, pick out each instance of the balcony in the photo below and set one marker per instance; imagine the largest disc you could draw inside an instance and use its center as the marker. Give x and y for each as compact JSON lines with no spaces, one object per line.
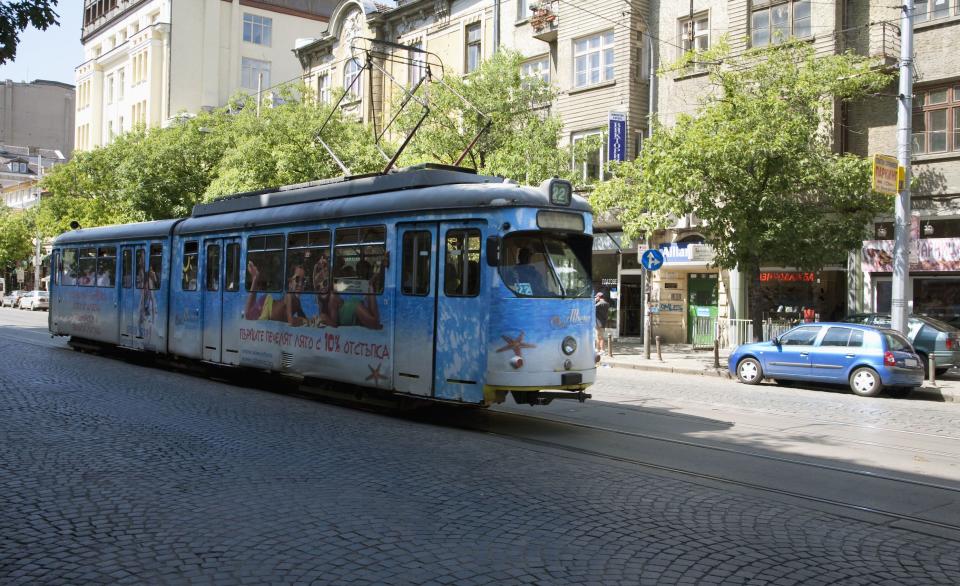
{"x":877,"y":40}
{"x":543,"y":21}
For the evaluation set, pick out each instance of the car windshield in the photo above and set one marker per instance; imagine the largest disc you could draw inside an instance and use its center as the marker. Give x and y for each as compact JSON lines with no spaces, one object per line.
{"x":541,"y":264}
{"x":940,"y":325}
{"x":896,"y":342}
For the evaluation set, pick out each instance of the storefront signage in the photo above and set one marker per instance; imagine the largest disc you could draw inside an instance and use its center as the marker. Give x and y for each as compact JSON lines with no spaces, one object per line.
{"x":686,"y":252}
{"x":617,"y":136}
{"x":701,"y":253}
{"x":926,"y":254}
{"x":608,"y":282}
{"x":886,"y":174}
{"x":784,"y":277}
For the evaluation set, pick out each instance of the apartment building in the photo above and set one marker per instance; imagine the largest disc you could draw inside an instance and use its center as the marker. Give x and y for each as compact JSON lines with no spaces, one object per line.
{"x":21,"y":169}
{"x":148,"y":61}
{"x":39,"y":114}
{"x":596,"y":54}
{"x":864,"y":283}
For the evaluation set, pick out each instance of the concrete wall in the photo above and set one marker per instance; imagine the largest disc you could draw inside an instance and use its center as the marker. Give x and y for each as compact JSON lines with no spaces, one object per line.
{"x":38,"y":114}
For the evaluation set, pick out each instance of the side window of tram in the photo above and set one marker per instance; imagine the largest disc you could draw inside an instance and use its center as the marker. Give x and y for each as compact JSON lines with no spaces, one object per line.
{"x":213,"y":267}
{"x":156,"y":266}
{"x":139,"y":269}
{"x":126,"y":268}
{"x":69,"y":267}
{"x":359,"y":258}
{"x":308,"y":261}
{"x":57,"y":268}
{"x":416,"y":263}
{"x":88,"y":267}
{"x":190,"y":257}
{"x":233,"y":267}
{"x":106,"y":266}
{"x":462,"y":264}
{"x":265,"y":263}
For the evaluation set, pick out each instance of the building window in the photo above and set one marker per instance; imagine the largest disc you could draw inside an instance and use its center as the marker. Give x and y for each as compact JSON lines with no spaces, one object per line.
{"x":588,"y":160}
{"x":265,"y":263}
{"x":417,"y":67}
{"x":539,"y":67}
{"x":323,"y":88}
{"x":109,"y":130}
{"x":308,"y":261}
{"x":695,"y":33}
{"x":593,"y":59}
{"x":250,"y":72}
{"x":121,"y":80}
{"x":936,"y":120}
{"x":257,"y":29}
{"x":474,"y":49}
{"x":359,"y":255}
{"x":775,"y":21}
{"x":109,"y":89}
{"x":191,"y":260}
{"x":351,"y":82}
{"x":924,"y":10}
{"x":523,"y":10}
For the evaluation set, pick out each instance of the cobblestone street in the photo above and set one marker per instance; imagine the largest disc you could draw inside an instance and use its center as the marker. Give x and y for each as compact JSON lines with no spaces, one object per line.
{"x":116,"y":473}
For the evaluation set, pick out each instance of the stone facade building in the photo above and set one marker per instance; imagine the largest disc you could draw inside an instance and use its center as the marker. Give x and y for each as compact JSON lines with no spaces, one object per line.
{"x":39,"y":114}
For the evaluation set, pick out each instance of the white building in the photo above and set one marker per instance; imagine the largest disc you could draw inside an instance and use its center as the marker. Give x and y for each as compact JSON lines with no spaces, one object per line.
{"x":148,"y":60}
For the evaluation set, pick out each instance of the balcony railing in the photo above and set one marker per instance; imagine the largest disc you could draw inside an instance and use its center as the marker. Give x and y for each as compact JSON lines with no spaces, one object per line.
{"x":879,"y":40}
{"x":543,"y":20}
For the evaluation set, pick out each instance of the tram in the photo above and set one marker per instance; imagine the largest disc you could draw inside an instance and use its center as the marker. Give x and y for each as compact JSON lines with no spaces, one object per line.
{"x":428,"y":282}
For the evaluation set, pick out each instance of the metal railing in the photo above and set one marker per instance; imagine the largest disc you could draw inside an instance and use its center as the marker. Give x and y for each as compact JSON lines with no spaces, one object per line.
{"x":733,"y":332}
{"x":880,"y":40}
{"x":704,"y":332}
{"x":775,"y":328}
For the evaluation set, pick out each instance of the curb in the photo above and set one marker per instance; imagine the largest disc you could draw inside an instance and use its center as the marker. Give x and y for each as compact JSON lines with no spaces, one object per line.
{"x":925,"y":393}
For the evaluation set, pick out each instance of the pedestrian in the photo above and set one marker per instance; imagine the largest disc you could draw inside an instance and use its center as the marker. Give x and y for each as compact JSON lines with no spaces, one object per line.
{"x":603,"y":311}
{"x":809,"y":315}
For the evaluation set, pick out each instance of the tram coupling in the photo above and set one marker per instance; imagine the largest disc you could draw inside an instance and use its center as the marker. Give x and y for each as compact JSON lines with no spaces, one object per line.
{"x":547,"y":397}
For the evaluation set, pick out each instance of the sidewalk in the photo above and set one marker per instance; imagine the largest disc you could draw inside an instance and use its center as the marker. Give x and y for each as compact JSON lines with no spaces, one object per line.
{"x":683,"y":359}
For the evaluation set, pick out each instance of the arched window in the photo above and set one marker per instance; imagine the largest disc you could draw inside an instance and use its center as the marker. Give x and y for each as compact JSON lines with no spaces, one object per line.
{"x":352,"y":71}
{"x":692,"y":239}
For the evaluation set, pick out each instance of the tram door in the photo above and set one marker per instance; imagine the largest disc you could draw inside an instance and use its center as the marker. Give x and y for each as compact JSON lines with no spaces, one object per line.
{"x":131,"y":261}
{"x":212,"y":300}
{"x":415,"y":312}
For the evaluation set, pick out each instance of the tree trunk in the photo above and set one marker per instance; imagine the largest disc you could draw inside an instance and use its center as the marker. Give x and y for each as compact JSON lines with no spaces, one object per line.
{"x":754,"y":299}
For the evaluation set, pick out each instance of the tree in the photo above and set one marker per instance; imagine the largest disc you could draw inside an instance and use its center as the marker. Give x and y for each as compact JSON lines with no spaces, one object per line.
{"x":522,"y":138}
{"x":16,"y":16}
{"x":757,"y":163}
{"x":16,"y":234}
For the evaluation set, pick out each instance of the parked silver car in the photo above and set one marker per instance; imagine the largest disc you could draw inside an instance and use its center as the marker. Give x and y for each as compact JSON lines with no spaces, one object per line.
{"x":34,"y":300}
{"x":930,"y":337}
{"x":12,"y":299}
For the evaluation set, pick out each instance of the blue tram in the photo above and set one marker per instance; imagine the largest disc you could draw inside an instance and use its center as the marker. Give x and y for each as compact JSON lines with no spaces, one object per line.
{"x":429,"y":282}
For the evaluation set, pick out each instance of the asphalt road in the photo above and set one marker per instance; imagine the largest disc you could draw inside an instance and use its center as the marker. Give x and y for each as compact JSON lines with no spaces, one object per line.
{"x":113,"y":472}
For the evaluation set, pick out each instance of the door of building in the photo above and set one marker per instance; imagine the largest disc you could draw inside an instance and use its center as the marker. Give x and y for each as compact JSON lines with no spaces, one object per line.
{"x":631,"y":305}
{"x":702,"y":298}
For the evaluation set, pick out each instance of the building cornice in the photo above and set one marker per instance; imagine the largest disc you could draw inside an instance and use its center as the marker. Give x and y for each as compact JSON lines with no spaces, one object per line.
{"x":282,"y":10}
{"x":86,"y":36}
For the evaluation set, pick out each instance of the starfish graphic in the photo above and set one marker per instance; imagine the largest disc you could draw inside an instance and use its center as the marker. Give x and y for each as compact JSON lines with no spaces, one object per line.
{"x":375,"y":375}
{"x":516,"y":344}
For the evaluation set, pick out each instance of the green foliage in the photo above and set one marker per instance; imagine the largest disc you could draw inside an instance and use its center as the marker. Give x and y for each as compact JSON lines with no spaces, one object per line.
{"x":16,"y":233}
{"x":18,"y":15}
{"x":522,"y":140}
{"x":756,"y":164}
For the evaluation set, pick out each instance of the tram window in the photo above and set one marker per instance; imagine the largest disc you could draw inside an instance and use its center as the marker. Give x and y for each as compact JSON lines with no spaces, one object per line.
{"x":190,"y":258}
{"x":106,"y":266}
{"x":213,"y":267}
{"x":156,"y":266}
{"x":139,"y":270}
{"x":70,"y":267}
{"x":265,"y":263}
{"x":359,"y":257}
{"x":416,"y":263}
{"x":57,"y":268}
{"x":126,"y":269}
{"x":233,"y":267}
{"x":461,"y":276}
{"x":88,"y":267}
{"x":308,"y":261}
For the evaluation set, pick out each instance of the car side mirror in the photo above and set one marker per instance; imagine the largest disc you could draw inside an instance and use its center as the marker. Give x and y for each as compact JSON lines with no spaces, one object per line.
{"x":775,"y":340}
{"x":493,"y":251}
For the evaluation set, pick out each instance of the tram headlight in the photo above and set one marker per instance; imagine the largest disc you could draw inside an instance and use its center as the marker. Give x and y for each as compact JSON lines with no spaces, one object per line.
{"x":569,"y":345}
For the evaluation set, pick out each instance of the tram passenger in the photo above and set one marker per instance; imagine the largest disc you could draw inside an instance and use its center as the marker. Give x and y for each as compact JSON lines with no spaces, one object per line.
{"x":336,"y":310}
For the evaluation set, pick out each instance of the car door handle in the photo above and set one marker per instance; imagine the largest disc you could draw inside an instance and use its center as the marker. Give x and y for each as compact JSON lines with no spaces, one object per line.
{"x":804,"y":354}
{"x":851,"y":355}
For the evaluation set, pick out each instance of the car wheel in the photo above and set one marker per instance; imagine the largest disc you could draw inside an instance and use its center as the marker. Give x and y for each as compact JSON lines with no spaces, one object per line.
{"x":899,"y":392}
{"x":865,"y":382}
{"x":749,"y":371}
{"x":925,"y":362}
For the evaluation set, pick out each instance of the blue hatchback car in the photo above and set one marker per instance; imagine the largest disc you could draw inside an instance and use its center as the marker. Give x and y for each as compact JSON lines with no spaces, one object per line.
{"x":866,"y":358}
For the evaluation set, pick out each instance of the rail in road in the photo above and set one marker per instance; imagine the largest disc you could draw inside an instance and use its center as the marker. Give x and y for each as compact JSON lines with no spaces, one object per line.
{"x":838,"y":485}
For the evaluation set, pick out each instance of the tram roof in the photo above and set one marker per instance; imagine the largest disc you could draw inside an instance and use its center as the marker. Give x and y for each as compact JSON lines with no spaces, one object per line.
{"x":139,"y":231}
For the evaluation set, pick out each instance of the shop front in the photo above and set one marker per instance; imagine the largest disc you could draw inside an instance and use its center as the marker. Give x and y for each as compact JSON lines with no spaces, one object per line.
{"x":786,"y":293}
{"x":687,"y":294}
{"x":618,"y":275}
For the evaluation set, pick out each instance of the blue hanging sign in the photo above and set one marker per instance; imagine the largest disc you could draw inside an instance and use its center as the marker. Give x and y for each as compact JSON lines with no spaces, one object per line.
{"x":616,"y":136}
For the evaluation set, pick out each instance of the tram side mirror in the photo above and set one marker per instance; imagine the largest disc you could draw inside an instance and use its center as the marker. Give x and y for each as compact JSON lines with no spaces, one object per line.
{"x":493,"y":251}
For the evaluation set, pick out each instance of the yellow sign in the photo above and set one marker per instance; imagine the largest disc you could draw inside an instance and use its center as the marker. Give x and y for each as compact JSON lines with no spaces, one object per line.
{"x":886,"y":174}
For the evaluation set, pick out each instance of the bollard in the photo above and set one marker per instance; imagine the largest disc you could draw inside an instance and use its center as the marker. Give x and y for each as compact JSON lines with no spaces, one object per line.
{"x":933,"y":370}
{"x":610,"y":345}
{"x":716,"y":354}
{"x":659,"y":355}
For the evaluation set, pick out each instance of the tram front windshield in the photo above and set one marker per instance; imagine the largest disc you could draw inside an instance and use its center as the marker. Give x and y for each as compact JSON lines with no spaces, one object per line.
{"x":541,"y":264}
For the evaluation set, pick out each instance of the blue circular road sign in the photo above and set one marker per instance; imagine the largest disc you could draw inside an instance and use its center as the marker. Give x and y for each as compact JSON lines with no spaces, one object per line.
{"x":651,"y":259}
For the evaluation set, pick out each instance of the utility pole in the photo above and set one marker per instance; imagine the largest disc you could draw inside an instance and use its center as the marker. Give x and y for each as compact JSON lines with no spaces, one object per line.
{"x":38,"y":241}
{"x":901,"y":251}
{"x":259,"y":92}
